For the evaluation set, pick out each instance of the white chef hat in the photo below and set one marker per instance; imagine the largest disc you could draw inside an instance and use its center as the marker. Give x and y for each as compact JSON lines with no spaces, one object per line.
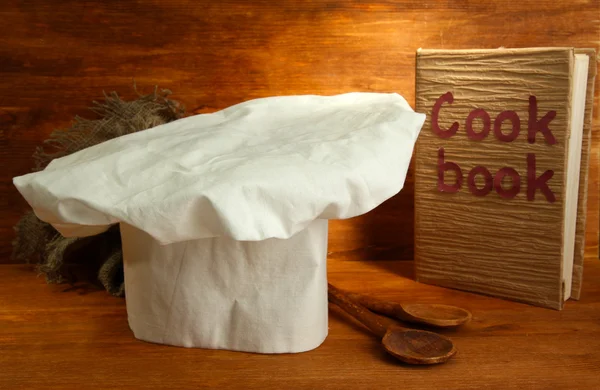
{"x":224,"y":215}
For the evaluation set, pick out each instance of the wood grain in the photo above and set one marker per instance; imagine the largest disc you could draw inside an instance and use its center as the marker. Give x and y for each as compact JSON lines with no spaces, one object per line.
{"x":58,"y":56}
{"x":69,"y":338}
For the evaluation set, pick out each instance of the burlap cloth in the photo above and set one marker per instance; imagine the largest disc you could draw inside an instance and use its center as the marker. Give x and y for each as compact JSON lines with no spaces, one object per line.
{"x":97,"y":259}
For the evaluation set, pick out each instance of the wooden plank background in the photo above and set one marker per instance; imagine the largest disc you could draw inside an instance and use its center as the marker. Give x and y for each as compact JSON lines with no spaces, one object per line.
{"x":58,"y":56}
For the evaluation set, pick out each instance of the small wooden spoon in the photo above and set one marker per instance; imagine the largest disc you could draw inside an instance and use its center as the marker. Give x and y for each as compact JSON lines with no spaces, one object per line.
{"x":408,"y":345}
{"x":441,"y":316}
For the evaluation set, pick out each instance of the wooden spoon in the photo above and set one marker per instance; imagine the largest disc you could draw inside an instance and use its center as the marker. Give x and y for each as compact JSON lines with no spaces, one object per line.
{"x":441,"y":316}
{"x":408,"y":345}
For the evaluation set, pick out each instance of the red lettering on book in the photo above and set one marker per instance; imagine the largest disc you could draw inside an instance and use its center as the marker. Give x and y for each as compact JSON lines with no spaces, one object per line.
{"x":487,"y":176}
{"x":435,"y":114}
{"x":485,"y":117}
{"x":515,"y":183}
{"x":516,"y":126}
{"x":534,"y":125}
{"x":444,"y":166}
{"x":541,"y":182}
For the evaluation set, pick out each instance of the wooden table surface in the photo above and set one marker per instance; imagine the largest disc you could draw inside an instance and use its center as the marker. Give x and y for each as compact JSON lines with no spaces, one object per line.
{"x":55,"y":336}
{"x":56,"y":57}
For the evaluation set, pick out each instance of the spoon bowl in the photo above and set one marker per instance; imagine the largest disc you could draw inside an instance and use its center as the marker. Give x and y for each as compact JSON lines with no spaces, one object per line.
{"x":441,"y":316}
{"x":436,"y":314}
{"x":417,"y":346}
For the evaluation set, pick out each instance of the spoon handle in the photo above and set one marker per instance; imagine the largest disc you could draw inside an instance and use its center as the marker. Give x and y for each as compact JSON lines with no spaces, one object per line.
{"x":387,"y":308}
{"x":370,"y":320}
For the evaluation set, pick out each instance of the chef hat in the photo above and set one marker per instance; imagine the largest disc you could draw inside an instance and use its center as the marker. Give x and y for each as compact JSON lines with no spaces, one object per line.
{"x":224,"y":216}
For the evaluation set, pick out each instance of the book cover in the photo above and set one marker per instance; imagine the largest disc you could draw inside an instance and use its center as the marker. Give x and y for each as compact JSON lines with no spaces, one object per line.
{"x":490,"y":171}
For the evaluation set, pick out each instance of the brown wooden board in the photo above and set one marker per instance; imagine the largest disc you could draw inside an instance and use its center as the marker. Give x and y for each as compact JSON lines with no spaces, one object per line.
{"x":56,"y":57}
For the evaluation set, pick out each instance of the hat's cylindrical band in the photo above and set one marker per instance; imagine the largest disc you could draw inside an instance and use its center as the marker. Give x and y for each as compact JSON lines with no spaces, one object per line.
{"x":265,"y":296}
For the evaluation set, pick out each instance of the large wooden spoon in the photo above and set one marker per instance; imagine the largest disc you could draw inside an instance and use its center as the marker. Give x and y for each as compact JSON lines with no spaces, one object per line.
{"x":441,"y":316}
{"x":408,"y":345}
